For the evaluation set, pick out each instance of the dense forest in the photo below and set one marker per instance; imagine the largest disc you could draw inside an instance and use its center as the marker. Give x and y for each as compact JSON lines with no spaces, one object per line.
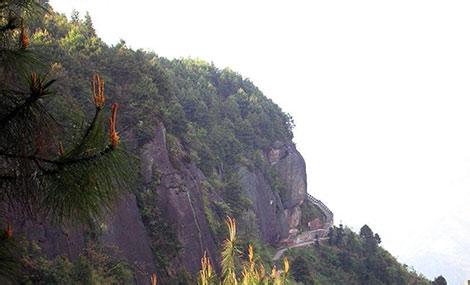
{"x":63,"y":166}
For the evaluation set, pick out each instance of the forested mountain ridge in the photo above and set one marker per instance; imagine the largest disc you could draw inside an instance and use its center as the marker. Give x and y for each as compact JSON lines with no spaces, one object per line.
{"x":208,"y":144}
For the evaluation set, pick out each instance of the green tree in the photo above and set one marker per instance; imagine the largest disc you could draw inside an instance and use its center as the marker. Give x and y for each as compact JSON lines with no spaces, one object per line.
{"x":377,"y":238}
{"x":366,"y":233}
{"x":301,"y":271}
{"x":368,"y":237}
{"x":339,"y":235}
{"x":331,"y":236}
{"x":39,"y":175}
{"x":88,"y":26}
{"x":439,"y":280}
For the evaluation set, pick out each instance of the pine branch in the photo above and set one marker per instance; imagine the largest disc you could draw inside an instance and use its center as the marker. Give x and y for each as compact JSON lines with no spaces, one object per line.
{"x":95,"y":156}
{"x":38,"y":88}
{"x":29,"y":157}
{"x":59,"y":163}
{"x":8,"y":26}
{"x":92,"y":124}
{"x":27,"y":103}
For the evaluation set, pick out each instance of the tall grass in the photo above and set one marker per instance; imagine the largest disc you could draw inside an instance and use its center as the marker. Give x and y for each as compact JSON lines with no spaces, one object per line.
{"x":251,"y":273}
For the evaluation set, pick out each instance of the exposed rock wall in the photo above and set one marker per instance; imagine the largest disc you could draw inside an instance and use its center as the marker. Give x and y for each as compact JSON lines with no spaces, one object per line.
{"x":290,"y":166}
{"x":126,"y":232}
{"x":122,"y":231}
{"x":268,"y":208}
{"x":180,"y":193}
{"x":278,"y":214}
{"x":180,"y":196}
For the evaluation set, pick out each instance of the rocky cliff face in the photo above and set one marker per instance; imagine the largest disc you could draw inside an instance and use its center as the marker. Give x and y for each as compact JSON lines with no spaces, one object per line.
{"x":290,"y":166}
{"x":272,"y":223}
{"x":122,"y":232}
{"x":278,"y":214}
{"x":180,"y":196}
{"x":180,"y":186}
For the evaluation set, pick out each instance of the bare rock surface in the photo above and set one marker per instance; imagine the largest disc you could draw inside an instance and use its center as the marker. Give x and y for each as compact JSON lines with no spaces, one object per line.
{"x":179,"y":185}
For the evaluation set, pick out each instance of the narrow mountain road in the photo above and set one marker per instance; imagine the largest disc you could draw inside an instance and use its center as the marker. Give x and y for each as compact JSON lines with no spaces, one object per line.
{"x":281,"y":251}
{"x":310,"y":237}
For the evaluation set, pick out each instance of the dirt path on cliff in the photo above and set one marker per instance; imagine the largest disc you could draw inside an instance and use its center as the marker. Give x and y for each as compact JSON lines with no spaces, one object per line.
{"x":281,"y":251}
{"x":310,"y":237}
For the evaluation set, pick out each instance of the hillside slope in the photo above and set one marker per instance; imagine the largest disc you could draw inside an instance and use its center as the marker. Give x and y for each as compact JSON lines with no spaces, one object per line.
{"x":209,"y":145}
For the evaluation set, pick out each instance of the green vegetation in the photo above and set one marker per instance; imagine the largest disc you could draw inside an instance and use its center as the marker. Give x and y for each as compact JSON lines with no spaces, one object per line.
{"x":94,"y":266}
{"x":63,"y":161}
{"x":195,"y":100}
{"x":213,"y":117}
{"x":350,"y":259}
{"x":46,"y":173}
{"x":164,"y":241}
{"x":439,"y":280}
{"x":236,"y":271}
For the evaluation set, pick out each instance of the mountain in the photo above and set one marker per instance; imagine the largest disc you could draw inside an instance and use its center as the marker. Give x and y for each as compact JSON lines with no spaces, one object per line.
{"x":208,"y":145}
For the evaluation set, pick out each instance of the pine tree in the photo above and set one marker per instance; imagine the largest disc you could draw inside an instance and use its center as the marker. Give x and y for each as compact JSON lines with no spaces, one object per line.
{"x":440,"y":280}
{"x":369,"y":239}
{"x":339,"y":235}
{"x":39,"y":175}
{"x":331,"y":235}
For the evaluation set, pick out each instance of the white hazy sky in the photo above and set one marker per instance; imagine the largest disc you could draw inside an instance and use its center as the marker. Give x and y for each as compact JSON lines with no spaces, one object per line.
{"x":379,"y":91}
